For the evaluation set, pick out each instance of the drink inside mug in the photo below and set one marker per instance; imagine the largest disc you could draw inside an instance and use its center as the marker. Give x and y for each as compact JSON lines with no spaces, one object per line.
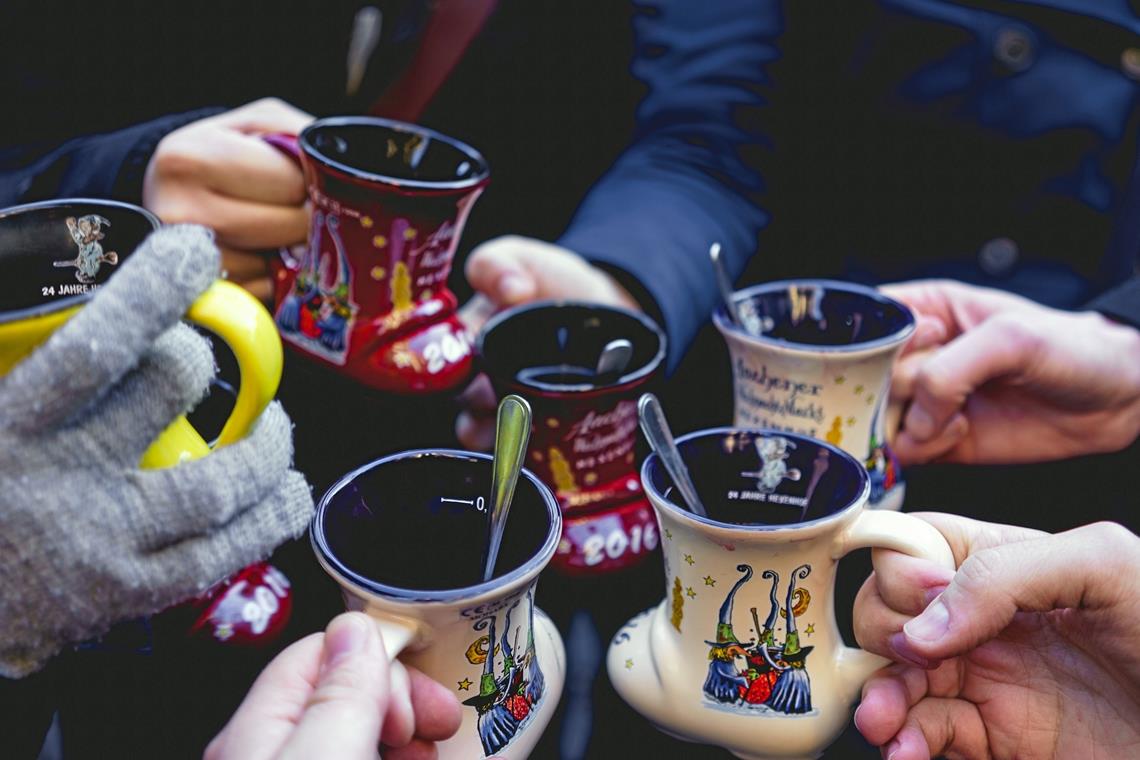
{"x":761,"y":478}
{"x":414,"y":525}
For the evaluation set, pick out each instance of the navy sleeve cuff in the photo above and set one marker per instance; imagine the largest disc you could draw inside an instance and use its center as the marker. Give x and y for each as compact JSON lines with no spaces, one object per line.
{"x":1122,"y":303}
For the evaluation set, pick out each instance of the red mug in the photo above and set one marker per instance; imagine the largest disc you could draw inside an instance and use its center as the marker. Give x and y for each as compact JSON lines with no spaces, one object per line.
{"x":584,"y":438}
{"x":368,"y":295}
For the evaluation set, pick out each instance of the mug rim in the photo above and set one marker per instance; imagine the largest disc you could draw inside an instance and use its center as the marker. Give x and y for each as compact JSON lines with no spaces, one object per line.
{"x":478,"y":178}
{"x":67,"y":302}
{"x":658,"y":499}
{"x":729,"y":328}
{"x":624,"y":382}
{"x":527,"y":569}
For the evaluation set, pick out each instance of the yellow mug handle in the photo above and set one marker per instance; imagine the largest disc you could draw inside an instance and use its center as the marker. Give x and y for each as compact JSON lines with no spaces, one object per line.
{"x":243,"y":324}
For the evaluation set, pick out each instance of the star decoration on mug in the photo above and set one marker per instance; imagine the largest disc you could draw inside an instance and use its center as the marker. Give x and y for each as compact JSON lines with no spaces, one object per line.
{"x":690,"y":560}
{"x":365,"y":222}
{"x":690,"y":593}
{"x":858,"y":389}
{"x":710,"y":581}
{"x":668,"y":534}
{"x":464,"y":685}
{"x":840,"y":380}
{"x":810,"y":629}
{"x":629,"y":664}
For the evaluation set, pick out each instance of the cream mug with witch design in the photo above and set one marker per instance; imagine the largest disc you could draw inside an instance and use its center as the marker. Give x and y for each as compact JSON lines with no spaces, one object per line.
{"x":404,"y":538}
{"x":814,"y":357}
{"x":744,"y":651}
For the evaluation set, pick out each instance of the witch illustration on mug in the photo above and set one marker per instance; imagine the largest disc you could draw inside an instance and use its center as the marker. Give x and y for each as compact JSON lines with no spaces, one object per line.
{"x":774,"y":677}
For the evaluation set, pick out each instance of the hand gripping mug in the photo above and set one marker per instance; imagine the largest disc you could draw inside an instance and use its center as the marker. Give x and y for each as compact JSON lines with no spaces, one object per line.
{"x":53,"y":256}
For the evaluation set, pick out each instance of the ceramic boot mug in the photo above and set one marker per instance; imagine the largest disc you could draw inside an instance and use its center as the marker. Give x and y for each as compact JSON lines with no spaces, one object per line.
{"x":744,"y":651}
{"x":814,"y":357}
{"x":368,"y":295}
{"x":53,"y":256}
{"x":584,"y":438}
{"x":404,"y":538}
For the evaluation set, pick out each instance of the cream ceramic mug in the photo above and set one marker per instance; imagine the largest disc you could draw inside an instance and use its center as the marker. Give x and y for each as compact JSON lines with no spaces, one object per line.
{"x":744,"y":651}
{"x":814,"y":357}
{"x":403,"y":537}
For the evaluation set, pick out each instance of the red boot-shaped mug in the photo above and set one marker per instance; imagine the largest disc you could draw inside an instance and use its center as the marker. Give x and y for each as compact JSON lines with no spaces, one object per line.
{"x":368,"y":295}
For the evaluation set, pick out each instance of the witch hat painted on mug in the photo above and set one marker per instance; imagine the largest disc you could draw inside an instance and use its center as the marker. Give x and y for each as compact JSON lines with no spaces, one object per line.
{"x":497,"y":726}
{"x":535,"y":681}
{"x":763,"y":670}
{"x":512,"y":684}
{"x":724,"y":682}
{"x":792,"y":692}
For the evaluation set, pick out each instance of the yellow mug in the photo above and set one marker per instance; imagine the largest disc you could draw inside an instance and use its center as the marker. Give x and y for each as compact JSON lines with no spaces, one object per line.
{"x":55,"y":254}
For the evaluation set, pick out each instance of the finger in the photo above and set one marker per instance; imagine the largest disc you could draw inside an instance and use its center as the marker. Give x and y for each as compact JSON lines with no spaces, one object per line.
{"x":196,"y":497}
{"x":929,"y":331}
{"x":246,"y":167}
{"x":887,"y":698}
{"x":908,"y":584}
{"x":416,"y":749}
{"x":878,"y":628}
{"x":243,"y":224}
{"x":267,"y":115}
{"x":276,"y":701}
{"x":1088,"y":568}
{"x":87,"y":356}
{"x":171,"y":378}
{"x":438,"y":713}
{"x":495,"y":270}
{"x":903,"y":374}
{"x":475,"y":433}
{"x":400,"y":720}
{"x":241,"y":266}
{"x":479,"y":396}
{"x":944,"y":382}
{"x":909,"y":450}
{"x":475,"y":313}
{"x":937,"y":727}
{"x":344,"y":714}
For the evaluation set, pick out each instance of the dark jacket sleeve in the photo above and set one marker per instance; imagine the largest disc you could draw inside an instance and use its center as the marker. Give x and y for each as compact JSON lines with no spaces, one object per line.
{"x":109,"y":165}
{"x":1122,"y":303}
{"x":687,"y":179}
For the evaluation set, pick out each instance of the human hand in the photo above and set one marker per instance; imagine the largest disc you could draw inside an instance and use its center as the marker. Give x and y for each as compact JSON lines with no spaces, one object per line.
{"x":1027,"y":651}
{"x":510,"y":271}
{"x":1012,"y":380}
{"x":218,"y":172}
{"x":335,"y":694}
{"x":87,"y":537}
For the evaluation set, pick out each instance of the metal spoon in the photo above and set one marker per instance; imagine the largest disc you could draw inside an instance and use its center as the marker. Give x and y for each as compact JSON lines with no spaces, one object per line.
{"x":612,"y":361}
{"x":656,"y":429}
{"x":512,"y":432}
{"x":724,"y":284}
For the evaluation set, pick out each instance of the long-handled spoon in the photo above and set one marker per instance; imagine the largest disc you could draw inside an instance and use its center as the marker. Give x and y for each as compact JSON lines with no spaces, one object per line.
{"x":613,"y":360}
{"x":512,"y":432}
{"x":656,"y":429}
{"x":724,"y":284}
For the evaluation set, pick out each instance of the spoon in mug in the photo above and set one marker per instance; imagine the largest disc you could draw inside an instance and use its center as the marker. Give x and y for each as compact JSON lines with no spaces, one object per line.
{"x":612,"y":361}
{"x":512,"y":431}
{"x":724,"y":284}
{"x":656,"y":429}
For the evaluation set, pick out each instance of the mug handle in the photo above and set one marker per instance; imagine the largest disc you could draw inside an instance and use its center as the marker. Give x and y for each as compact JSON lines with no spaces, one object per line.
{"x":243,"y":324}
{"x":878,"y":529}
{"x":399,"y":634}
{"x":289,"y":145}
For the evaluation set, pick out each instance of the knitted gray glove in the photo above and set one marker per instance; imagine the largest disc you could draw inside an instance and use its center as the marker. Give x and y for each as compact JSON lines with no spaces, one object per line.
{"x":87,"y":538}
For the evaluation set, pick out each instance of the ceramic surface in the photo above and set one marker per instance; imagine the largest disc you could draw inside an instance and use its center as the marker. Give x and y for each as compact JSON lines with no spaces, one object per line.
{"x":368,"y":294}
{"x":404,"y":537}
{"x":744,"y":651}
{"x":815,"y":359}
{"x":584,"y":439}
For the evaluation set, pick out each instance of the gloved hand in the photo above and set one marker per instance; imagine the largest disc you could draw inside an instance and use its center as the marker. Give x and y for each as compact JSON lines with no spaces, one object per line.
{"x":88,"y":538}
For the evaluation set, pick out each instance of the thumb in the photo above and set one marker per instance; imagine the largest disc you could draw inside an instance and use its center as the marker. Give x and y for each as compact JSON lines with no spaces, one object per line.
{"x":496,"y":270}
{"x":343,"y":717}
{"x":1081,"y":569}
{"x":944,"y":381}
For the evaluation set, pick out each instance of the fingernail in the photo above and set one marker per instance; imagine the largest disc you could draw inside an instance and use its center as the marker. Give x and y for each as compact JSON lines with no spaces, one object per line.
{"x":919,"y":423}
{"x":932,"y":624}
{"x":892,"y":748}
{"x":347,"y":636}
{"x":856,"y":717}
{"x":901,"y":647}
{"x":513,"y":287}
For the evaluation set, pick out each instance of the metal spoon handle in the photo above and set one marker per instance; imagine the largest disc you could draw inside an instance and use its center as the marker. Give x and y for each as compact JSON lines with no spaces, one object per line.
{"x":512,"y":432}
{"x":613,"y":360}
{"x":727,"y":292}
{"x":656,"y":429}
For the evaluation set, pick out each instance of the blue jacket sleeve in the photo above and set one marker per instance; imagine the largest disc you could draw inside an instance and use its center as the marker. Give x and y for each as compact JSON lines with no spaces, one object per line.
{"x":687,"y":179}
{"x":1122,"y":303}
{"x":109,"y":165}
